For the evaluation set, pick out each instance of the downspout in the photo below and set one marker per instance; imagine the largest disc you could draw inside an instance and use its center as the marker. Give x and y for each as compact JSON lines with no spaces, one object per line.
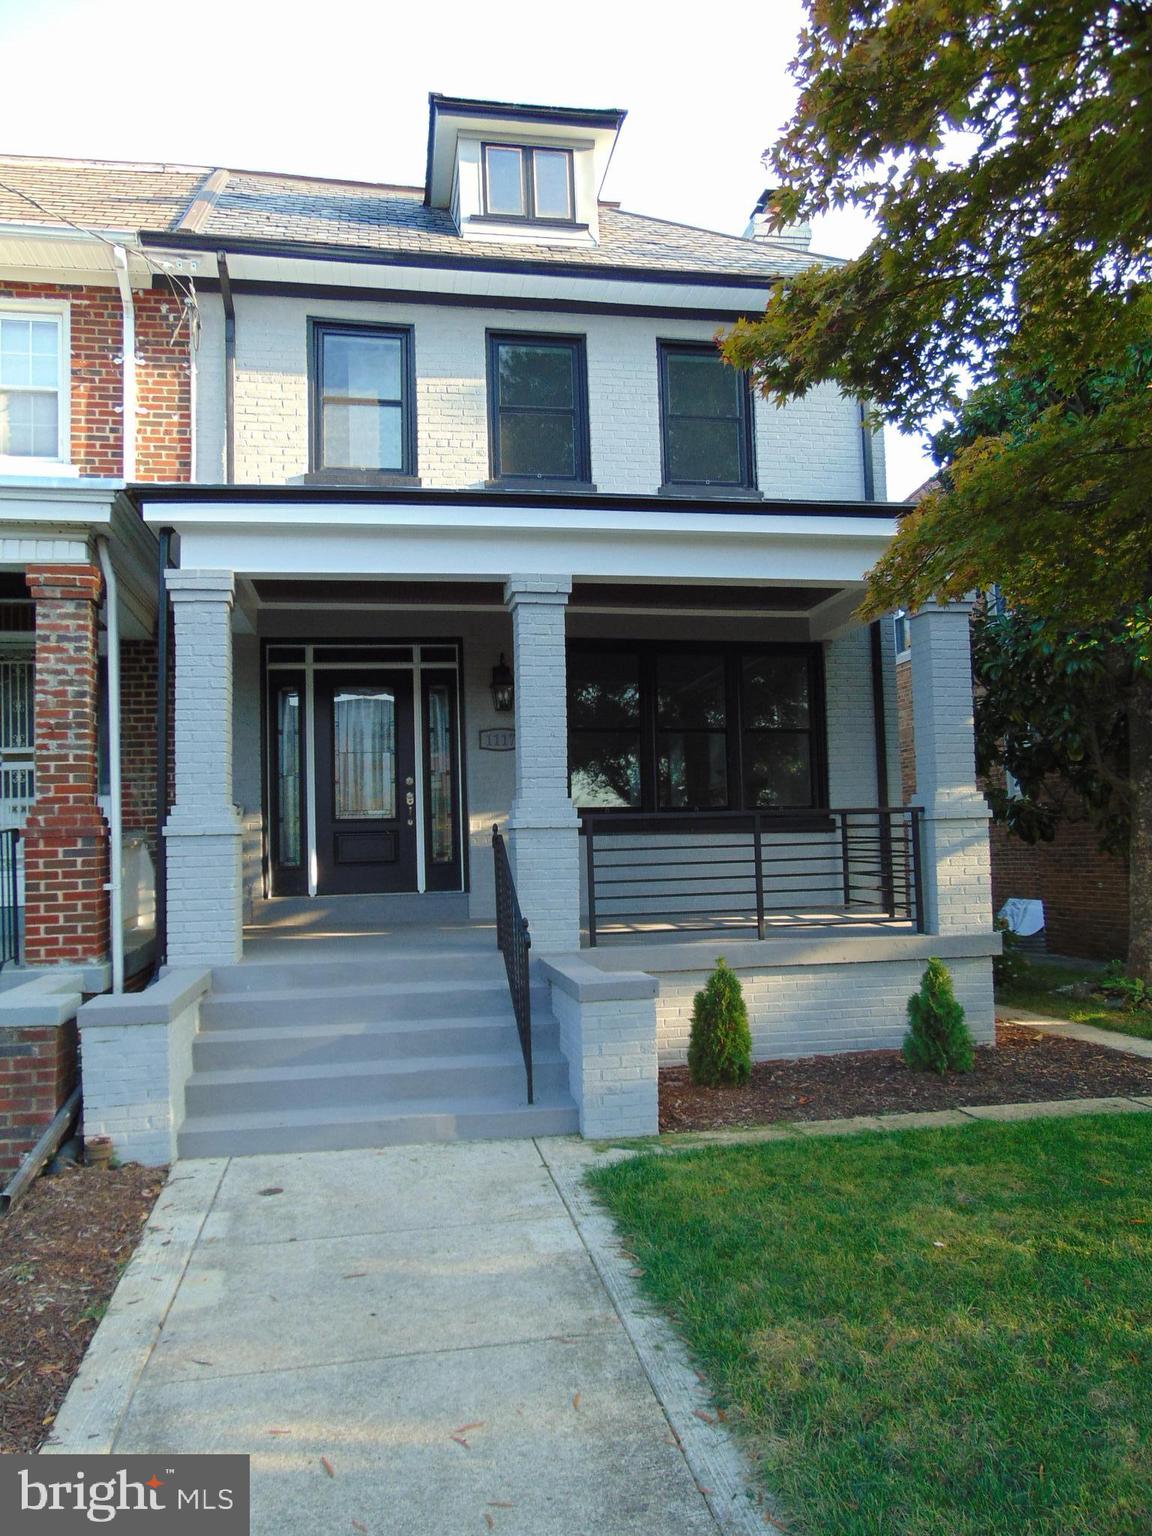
{"x":115,"y":809}
{"x":163,"y":612}
{"x":229,"y":369}
{"x":128,"y":374}
{"x":866,"y":459}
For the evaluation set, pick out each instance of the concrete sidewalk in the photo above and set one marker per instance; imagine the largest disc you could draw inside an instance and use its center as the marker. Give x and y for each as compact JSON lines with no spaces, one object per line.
{"x":413,"y":1342}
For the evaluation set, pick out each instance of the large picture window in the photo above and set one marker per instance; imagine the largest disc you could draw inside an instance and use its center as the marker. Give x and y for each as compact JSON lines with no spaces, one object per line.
{"x":658,"y":727}
{"x":363,"y":412}
{"x":706,"y":416}
{"x":538,"y":409}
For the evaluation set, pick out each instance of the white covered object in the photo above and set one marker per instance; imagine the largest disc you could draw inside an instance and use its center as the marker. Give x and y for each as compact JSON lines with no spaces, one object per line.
{"x":1024,"y":917}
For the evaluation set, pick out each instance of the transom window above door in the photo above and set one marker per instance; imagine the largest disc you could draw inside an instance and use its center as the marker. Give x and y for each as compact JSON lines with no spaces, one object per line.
{"x":363,"y":411}
{"x":33,"y":400}
{"x":521,"y":182}
{"x":706,"y":419}
{"x":538,"y":410}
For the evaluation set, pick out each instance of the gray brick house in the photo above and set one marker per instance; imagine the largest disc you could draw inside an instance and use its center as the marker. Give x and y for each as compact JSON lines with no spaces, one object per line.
{"x":480,"y":532}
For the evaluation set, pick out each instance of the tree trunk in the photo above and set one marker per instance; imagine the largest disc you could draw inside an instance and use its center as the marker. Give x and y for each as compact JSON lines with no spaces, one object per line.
{"x":1140,"y":838}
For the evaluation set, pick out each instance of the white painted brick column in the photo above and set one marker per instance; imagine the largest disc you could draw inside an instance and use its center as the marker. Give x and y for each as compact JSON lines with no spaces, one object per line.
{"x":203,"y":832}
{"x":543,"y":824}
{"x":956,"y":873}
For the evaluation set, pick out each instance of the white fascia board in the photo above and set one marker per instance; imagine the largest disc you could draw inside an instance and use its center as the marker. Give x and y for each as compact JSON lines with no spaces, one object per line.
{"x":488,"y":285}
{"x":48,"y":502}
{"x":429,"y":542}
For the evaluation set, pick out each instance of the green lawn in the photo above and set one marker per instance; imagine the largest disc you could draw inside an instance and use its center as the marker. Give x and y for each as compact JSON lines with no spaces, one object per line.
{"x":1037,"y":991}
{"x":945,"y":1332}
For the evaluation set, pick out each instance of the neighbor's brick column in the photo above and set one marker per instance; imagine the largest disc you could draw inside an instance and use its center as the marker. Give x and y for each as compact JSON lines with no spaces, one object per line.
{"x":37,"y":1073}
{"x":543,"y":823}
{"x":66,"y":839}
{"x":203,"y":831}
{"x":957,"y":879}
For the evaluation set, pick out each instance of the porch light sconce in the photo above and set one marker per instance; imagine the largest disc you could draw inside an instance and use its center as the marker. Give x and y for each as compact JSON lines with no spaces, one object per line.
{"x":503,"y":688}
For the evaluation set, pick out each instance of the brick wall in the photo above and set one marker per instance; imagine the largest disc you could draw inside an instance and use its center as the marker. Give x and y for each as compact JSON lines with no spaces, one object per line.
{"x":906,"y":730}
{"x":66,"y":838}
{"x":163,"y":378}
{"x":809,"y":448}
{"x":1084,"y":891}
{"x":37,"y":1073}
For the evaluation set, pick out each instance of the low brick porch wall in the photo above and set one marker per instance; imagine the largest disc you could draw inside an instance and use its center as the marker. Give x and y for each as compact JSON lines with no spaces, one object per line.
{"x":38,"y":1062}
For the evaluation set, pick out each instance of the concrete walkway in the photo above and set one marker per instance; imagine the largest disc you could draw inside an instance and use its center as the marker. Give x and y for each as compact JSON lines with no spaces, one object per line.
{"x":413,"y":1342}
{"x":1043,"y":1024}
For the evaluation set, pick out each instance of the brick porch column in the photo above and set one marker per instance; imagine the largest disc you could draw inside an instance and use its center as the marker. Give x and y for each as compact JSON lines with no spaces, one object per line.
{"x":543,"y":824}
{"x":203,"y":831}
{"x":956,"y":872}
{"x":66,"y":839}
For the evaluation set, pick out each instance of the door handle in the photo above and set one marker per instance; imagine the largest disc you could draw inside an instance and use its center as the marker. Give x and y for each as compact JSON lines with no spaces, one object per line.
{"x":410,"y":799}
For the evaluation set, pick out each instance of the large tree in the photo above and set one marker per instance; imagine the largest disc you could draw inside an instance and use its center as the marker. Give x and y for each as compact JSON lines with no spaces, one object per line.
{"x":1002,"y":149}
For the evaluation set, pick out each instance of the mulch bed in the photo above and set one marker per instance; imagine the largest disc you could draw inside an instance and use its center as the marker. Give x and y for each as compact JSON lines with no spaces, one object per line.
{"x":1024,"y":1067}
{"x":61,"y":1252}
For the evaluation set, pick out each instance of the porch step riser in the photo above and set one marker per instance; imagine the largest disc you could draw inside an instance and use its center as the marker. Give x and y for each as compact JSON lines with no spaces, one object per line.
{"x":230,"y":1050}
{"x":371,"y":1086}
{"x":366,"y":1005}
{"x":449,"y":1124}
{"x":322,"y":975}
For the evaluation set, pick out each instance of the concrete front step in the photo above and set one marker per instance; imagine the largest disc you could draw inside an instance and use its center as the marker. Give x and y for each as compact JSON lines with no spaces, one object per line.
{"x":479,"y":998}
{"x":321,"y":975}
{"x":332,"y":1130}
{"x":370,"y":1082}
{"x":288,"y":1045}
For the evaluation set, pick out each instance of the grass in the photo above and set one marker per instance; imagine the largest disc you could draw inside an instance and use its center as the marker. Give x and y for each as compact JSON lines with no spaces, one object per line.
{"x":1037,"y":990}
{"x":928,"y":1332}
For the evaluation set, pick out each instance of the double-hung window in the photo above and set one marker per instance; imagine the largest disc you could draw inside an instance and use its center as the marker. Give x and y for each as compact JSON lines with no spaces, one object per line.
{"x":706,"y":417}
{"x":34,"y":385}
{"x":538,"y":410}
{"x":363,"y":413}
{"x":528,"y":183}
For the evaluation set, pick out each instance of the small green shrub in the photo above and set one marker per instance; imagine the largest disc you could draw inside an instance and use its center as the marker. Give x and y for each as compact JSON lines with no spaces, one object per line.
{"x":720,"y":1049}
{"x":1132,"y":993}
{"x":938,"y":1039}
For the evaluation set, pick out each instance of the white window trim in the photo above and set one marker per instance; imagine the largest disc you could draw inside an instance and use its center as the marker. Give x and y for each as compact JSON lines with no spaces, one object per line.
{"x":18,"y":464}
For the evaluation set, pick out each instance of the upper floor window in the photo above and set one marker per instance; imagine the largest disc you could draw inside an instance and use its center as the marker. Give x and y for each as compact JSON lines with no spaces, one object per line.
{"x":33,"y":394}
{"x":706,"y":417}
{"x":538,"y":409}
{"x":363,"y":414}
{"x":523,"y":183}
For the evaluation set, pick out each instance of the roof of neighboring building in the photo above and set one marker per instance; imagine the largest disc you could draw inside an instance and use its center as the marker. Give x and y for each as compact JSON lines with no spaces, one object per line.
{"x":259,"y":205}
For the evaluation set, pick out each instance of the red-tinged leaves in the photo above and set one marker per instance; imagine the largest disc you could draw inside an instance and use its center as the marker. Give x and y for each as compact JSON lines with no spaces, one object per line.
{"x":328,"y":1467}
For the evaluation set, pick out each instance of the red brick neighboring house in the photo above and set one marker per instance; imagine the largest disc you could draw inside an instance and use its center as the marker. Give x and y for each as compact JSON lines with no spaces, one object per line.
{"x":75,"y":425}
{"x":1084,"y":891}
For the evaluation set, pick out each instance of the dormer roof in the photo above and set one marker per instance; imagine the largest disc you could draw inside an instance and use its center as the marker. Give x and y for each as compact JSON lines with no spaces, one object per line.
{"x":516,"y":122}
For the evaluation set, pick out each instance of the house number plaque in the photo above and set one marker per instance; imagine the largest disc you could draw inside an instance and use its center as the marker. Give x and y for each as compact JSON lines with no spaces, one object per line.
{"x":502,"y":740}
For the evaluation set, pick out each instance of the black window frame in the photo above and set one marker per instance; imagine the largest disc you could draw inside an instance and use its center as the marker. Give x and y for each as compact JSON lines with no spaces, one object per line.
{"x":733,"y":653}
{"x":746,"y":485}
{"x":581,"y":479}
{"x":527,"y":153}
{"x":318,"y":330}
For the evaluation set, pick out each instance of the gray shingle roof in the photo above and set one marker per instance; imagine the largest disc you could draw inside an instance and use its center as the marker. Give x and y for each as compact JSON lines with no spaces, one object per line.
{"x":97,"y":194}
{"x":264,"y":206}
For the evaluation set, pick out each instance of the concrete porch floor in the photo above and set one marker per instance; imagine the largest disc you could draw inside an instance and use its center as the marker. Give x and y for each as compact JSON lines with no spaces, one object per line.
{"x":363,"y":927}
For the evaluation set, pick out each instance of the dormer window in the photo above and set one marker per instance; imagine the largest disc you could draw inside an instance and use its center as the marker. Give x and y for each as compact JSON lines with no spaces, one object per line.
{"x":521,"y":182}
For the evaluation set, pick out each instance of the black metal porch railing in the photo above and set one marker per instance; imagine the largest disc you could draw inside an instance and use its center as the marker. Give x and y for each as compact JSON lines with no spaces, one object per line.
{"x":709,"y":871}
{"x":515,"y":942}
{"x":9,"y":897}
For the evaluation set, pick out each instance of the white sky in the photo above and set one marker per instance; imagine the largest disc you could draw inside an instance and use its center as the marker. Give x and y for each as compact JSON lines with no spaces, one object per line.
{"x":340,"y":88}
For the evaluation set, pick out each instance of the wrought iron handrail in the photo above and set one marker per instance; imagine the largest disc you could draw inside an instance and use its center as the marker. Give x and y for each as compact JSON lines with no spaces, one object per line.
{"x":9,"y":896}
{"x":706,"y":871}
{"x":514,"y":942}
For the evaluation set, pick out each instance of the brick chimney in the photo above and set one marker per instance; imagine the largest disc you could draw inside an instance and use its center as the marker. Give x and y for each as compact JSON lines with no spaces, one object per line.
{"x":798,"y":236}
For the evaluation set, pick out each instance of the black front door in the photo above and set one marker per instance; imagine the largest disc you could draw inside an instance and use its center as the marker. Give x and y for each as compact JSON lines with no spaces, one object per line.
{"x":365,"y":782}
